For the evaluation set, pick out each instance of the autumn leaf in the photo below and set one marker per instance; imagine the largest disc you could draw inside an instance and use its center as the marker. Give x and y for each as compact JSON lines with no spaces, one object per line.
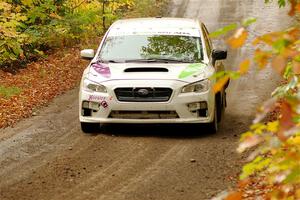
{"x":296,"y":67}
{"x":297,"y":8}
{"x":238,"y":39}
{"x":249,"y":142}
{"x":268,"y":39}
{"x":289,"y":53}
{"x":55,"y":16}
{"x":272,"y":126}
{"x":244,"y":66}
{"x":220,"y":83}
{"x":262,"y":58}
{"x":293,"y":7}
{"x":286,"y":120}
{"x":234,"y":196}
{"x":279,"y":63}
{"x":243,"y":183}
{"x":294,"y":32}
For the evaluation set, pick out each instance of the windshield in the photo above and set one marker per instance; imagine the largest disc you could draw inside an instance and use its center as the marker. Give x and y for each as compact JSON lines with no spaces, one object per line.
{"x":156,"y":47}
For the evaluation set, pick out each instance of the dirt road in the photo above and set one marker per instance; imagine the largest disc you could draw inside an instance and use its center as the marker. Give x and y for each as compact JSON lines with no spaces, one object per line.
{"x":48,"y":157}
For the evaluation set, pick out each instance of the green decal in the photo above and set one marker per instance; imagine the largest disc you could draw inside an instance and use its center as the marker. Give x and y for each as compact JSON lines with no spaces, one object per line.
{"x":191,"y":69}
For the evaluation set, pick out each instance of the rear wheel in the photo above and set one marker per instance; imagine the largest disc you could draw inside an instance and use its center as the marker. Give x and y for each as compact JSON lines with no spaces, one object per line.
{"x":90,"y":127}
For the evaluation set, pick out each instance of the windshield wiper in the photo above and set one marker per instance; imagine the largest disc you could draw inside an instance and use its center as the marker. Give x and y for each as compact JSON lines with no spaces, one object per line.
{"x":164,"y":60}
{"x":110,"y":61}
{"x":114,"y":61}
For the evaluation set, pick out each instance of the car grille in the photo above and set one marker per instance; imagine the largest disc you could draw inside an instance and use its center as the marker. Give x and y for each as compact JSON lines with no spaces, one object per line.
{"x":143,"y":94}
{"x":143,"y":114}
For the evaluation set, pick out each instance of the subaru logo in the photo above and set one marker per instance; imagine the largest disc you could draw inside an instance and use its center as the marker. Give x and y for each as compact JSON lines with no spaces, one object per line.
{"x":143,"y":92}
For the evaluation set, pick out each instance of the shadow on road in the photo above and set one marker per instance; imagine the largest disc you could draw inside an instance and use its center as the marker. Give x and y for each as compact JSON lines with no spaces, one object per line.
{"x":232,"y":125}
{"x":181,"y":131}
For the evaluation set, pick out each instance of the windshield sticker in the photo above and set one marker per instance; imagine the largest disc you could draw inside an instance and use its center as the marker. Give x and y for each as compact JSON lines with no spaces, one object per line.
{"x":179,"y":32}
{"x":102,"y":69}
{"x":191,"y":70}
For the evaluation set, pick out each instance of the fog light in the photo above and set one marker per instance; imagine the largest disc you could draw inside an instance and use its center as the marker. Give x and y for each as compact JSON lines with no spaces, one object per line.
{"x":85,"y":104}
{"x":194,"y":106}
{"x":94,"y":105}
{"x":90,"y":105}
{"x":203,"y":105}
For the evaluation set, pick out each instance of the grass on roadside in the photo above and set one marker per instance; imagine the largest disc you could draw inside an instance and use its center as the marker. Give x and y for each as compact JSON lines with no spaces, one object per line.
{"x":8,"y":92}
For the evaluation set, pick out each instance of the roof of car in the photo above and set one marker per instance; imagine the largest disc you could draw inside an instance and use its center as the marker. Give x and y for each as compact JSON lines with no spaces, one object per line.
{"x":171,"y":26}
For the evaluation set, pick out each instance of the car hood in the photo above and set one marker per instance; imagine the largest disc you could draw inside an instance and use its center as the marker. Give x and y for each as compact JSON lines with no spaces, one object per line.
{"x":102,"y":72}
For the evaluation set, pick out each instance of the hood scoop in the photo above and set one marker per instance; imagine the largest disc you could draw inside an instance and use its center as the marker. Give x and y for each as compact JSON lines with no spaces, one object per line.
{"x":146,"y":69}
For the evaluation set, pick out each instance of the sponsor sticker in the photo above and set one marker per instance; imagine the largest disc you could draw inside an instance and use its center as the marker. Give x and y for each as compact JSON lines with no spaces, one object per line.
{"x":103,"y":101}
{"x":102,"y":69}
{"x":191,"y":69}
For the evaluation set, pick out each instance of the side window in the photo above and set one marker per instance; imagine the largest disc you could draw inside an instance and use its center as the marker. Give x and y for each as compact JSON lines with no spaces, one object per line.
{"x":207,"y":41}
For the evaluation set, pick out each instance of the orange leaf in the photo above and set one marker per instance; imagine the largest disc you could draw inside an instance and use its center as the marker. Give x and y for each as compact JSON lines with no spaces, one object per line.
{"x":279,"y":63}
{"x":269,"y":38}
{"x":234,"y":196}
{"x":243,"y":183}
{"x":289,"y":53}
{"x":297,"y":7}
{"x":286,"y":120}
{"x":293,"y":7}
{"x":238,"y":39}
{"x":220,"y":83}
{"x":256,"y":41}
{"x":244,"y":66}
{"x":296,"y":67}
{"x":55,"y":16}
{"x":262,"y":58}
{"x":294,"y":32}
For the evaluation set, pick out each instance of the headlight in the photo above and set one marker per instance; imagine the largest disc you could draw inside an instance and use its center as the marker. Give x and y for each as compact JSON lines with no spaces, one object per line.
{"x":93,"y":87}
{"x":200,"y":86}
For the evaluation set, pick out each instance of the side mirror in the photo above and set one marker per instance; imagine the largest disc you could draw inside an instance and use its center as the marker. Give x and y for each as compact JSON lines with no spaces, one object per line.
{"x":87,"y":54}
{"x":219,"y":54}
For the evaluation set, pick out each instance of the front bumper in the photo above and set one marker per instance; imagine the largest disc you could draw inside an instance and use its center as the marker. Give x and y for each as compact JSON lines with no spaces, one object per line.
{"x":178,"y":103}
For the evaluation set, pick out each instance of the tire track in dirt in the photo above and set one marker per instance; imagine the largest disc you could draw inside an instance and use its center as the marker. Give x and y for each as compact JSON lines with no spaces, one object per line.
{"x":127,"y":174}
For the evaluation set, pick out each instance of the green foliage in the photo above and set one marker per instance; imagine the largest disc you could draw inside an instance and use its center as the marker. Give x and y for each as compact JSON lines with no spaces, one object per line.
{"x":257,"y":165}
{"x":223,"y":30}
{"x":231,"y":27}
{"x":29,"y":27}
{"x":8,"y":92}
{"x":249,"y":21}
{"x":281,"y":3}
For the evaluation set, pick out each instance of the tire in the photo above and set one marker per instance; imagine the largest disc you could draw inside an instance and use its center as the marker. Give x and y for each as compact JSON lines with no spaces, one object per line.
{"x":90,"y":127}
{"x":214,"y":125}
{"x":221,"y":104}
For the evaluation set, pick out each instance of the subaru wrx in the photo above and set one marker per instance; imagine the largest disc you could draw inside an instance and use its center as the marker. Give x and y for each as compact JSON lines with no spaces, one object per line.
{"x":152,"y":70}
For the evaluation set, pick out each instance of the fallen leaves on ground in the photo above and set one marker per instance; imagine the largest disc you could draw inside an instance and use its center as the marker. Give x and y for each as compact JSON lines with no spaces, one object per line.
{"x":40,"y":82}
{"x":254,"y":188}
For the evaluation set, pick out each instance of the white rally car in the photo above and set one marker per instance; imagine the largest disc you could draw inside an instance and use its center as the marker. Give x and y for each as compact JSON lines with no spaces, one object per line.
{"x":152,"y":70}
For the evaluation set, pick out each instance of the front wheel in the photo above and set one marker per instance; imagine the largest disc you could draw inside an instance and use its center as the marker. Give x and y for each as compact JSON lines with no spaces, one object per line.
{"x":90,"y":127}
{"x":214,"y":125}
